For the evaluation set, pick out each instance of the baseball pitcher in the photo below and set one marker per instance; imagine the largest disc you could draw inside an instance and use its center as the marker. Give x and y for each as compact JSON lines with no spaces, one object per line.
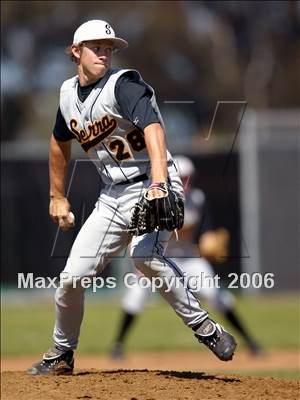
{"x":113,"y":115}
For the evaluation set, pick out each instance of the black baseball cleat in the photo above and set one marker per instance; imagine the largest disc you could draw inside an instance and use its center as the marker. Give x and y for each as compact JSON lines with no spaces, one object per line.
{"x":219,"y":341}
{"x":54,"y":362}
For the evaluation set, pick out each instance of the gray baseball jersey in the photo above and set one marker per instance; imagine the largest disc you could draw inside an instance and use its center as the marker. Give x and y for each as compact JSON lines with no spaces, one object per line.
{"x":113,"y":143}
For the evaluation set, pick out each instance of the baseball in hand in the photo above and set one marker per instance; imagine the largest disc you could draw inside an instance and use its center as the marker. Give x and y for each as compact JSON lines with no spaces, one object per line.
{"x":71,"y":217}
{"x":68,"y":222}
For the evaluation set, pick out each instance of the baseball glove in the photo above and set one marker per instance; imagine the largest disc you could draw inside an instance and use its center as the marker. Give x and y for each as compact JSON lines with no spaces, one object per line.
{"x":213,"y":245}
{"x":160,"y":208}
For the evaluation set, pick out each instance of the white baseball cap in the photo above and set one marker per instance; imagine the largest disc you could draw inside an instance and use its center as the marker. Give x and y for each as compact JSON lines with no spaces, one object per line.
{"x":97,"y":29}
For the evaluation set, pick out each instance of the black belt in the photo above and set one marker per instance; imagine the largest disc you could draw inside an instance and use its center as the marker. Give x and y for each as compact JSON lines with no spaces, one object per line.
{"x":136,"y":179}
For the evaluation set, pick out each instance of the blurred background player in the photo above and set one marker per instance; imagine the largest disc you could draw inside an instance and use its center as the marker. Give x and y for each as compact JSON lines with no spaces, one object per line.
{"x":197,"y":238}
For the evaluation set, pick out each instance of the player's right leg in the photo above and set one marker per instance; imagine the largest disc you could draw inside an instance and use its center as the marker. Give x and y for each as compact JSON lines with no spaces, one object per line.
{"x":55,"y":362}
{"x":100,"y":238}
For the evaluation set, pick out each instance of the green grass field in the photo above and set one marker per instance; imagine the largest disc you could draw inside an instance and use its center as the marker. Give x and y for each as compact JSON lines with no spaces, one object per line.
{"x":27,"y":330}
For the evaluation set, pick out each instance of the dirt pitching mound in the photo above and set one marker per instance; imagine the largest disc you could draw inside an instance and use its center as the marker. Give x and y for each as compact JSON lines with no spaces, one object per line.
{"x":145,"y":385}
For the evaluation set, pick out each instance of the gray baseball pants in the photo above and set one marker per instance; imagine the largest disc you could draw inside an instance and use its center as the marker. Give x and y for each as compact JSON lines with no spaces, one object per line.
{"x":103,"y":237}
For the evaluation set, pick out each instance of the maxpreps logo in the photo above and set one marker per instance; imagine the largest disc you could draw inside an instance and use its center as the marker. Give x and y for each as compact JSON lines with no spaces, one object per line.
{"x":96,"y":132}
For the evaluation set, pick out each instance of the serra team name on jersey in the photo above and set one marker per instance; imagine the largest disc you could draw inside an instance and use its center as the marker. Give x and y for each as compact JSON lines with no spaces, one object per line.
{"x":95,"y":132}
{"x":101,"y":129}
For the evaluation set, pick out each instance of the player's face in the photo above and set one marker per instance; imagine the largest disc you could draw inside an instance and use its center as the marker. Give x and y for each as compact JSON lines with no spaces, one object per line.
{"x":94,"y":59}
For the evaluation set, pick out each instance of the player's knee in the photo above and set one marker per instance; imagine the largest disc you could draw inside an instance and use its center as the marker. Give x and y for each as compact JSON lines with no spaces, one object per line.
{"x":138,"y":254}
{"x":146,"y":259}
{"x":143,"y":264}
{"x":143,"y":252}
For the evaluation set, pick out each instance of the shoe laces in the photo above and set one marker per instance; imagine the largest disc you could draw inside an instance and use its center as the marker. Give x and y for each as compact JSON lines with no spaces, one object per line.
{"x":213,"y":340}
{"x":49,"y":363}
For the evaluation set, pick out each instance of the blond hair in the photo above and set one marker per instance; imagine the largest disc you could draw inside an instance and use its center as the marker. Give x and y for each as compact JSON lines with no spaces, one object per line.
{"x":70,"y":54}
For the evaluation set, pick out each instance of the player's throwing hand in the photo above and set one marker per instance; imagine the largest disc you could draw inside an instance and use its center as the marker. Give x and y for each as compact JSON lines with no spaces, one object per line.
{"x":59,"y":210}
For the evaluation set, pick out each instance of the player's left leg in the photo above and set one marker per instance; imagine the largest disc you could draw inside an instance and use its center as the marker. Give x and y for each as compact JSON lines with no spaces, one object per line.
{"x":148,"y":254}
{"x":217,"y":297}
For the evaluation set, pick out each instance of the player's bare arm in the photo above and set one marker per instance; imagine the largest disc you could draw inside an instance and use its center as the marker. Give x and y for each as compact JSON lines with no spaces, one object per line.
{"x":156,"y":147}
{"x":59,"y":206}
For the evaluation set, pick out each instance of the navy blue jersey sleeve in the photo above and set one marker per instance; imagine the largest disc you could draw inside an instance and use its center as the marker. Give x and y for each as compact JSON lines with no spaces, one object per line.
{"x":61,"y":131}
{"x":134,"y":99}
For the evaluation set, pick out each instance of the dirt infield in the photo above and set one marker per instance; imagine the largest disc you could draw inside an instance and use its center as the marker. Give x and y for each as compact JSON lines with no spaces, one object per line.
{"x":145,"y":385}
{"x":168,"y":376}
